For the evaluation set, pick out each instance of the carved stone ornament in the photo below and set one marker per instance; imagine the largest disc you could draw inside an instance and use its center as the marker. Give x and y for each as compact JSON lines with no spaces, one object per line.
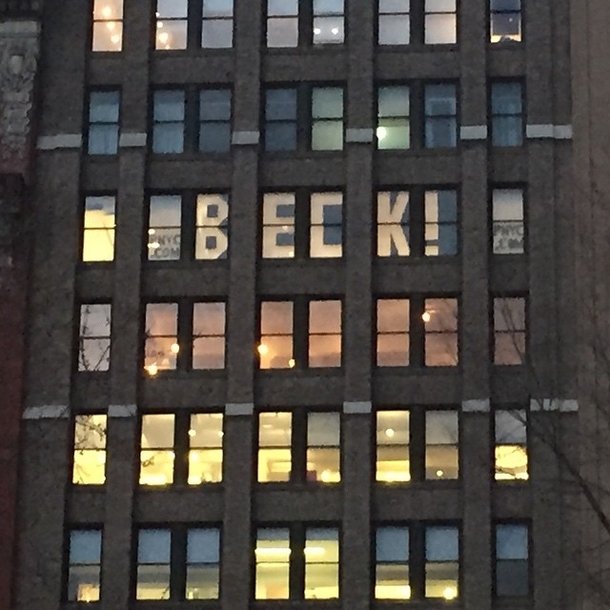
{"x":19,"y":48}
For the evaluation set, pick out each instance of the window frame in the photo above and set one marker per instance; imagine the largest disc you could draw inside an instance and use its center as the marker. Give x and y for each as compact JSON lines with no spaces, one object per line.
{"x":428,"y":13}
{"x":89,"y":123}
{"x":84,"y":228}
{"x":67,"y":563}
{"x":508,"y":41}
{"x":81,"y":339}
{"x":495,"y":333}
{"x":524,"y":412}
{"x":428,"y":119}
{"x":95,"y":21}
{"x":493,"y":116}
{"x":102,"y":450}
{"x":524,"y":217}
{"x":527,"y":561}
{"x":379,"y":14}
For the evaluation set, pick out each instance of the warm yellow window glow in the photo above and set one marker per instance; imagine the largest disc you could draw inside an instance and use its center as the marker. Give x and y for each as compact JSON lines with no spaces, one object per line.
{"x":321,"y":563}
{"x":511,"y":459}
{"x":99,"y":227}
{"x":89,"y":466}
{"x":84,"y":566}
{"x":274,"y":442}
{"x":161,"y":347}
{"x":442,"y":562}
{"x":157,"y":450}
{"x":205,"y":448}
{"x":272,"y":557}
{"x":393,"y":447}
{"x":107,"y":25}
{"x":392,"y":563}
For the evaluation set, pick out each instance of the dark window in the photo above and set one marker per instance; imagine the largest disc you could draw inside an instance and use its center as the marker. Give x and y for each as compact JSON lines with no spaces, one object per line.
{"x":440,"y":116}
{"x":442,"y":565}
{"x":392,"y":563}
{"x":509,"y":325}
{"x":94,"y":337}
{"x":512,"y":560}
{"x":505,"y":21}
{"x":506,"y":114}
{"x":84,"y":565}
{"x":281,"y":119}
{"x":214,"y":120}
{"x":168,"y":121}
{"x":103,"y":136}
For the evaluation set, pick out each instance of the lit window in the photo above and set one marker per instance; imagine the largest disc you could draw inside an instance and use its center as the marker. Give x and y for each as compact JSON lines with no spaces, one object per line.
{"x":442,"y":441}
{"x":440,"y":318}
{"x":394,"y":22}
{"x":440,"y":217}
{"x":278,"y":225}
{"x":393,"y":123}
{"x":107,"y":25}
{"x":511,"y":446}
{"x":99,"y":229}
{"x":274,"y":447}
{"x":89,"y":463}
{"x":282,"y":23}
{"x":202,"y":563}
{"x":205,"y":448}
{"x":509,"y":330}
{"x":208,"y":335}
{"x":161,"y":347}
{"x":393,"y":461}
{"x":326,"y":235}
{"x":324,"y":333}
{"x":393,"y":332}
{"x":328,"y":22}
{"x":440,"y":25}
{"x":505,"y":20}
{"x":281,"y":119}
{"x":272,"y":557}
{"x":217,"y":27}
{"x":392,"y":563}
{"x":103,"y":136}
{"x":327,"y":118}
{"x":154,"y":565}
{"x":323,"y":447}
{"x":172,"y":24}
{"x":215,"y":120}
{"x":212,"y":231}
{"x":512,"y":560}
{"x":84,"y":567}
{"x":321,"y":563}
{"x":164,"y":221}
{"x":157,"y":450}
{"x":275,"y":347}
{"x":168,"y":121}
{"x":507,"y":114}
{"x":508,"y":225}
{"x":393,"y":234}
{"x":94,"y":337}
{"x":442,"y":562}
{"x":440,"y":107}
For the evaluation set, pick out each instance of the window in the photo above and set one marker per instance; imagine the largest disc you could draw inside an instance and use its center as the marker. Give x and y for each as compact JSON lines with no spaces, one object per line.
{"x":509,"y":330}
{"x":282,"y":23}
{"x":297,"y":563}
{"x":393,"y":220}
{"x":168,"y":121}
{"x":440,"y":22}
{"x":417,"y":445}
{"x":327,"y":118}
{"x":215,"y":120}
{"x":442,"y":562}
{"x":508,"y":221}
{"x":164,"y":220}
{"x":178,"y":564}
{"x":512,"y":560}
{"x":89,"y":456}
{"x":103,"y":137}
{"x":99,"y":228}
{"x":417,"y":332}
{"x":107,"y":25}
{"x":318,"y":346}
{"x":212,"y":226}
{"x":393,"y":122}
{"x":394,"y":23}
{"x":511,"y":461}
{"x":299,"y":447}
{"x":392,"y":563}
{"x":84,"y":565}
{"x":172,"y":24}
{"x":281,"y":119}
{"x":506,"y":114}
{"x":217,"y":27}
{"x":328,"y":22}
{"x":505,"y":20}
{"x":183,"y":448}
{"x":440,"y":218}
{"x":94,"y":337}
{"x":440,"y":101}
{"x":200,"y":345}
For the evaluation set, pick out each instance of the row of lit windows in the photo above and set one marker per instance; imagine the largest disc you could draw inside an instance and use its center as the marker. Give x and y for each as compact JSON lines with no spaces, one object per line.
{"x":300,"y":446}
{"x":295,"y":561}
{"x":303,"y":333}
{"x":307,"y":118}
{"x":209,"y":24}
{"x":304,"y":224}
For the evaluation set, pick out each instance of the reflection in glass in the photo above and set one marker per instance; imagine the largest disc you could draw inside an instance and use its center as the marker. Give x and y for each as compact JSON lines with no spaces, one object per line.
{"x":509,"y":330}
{"x":278,"y":225}
{"x":323,"y":443}
{"x":393,"y":332}
{"x":392,"y":563}
{"x":274,"y":447}
{"x":393,"y":462}
{"x":282,"y":23}
{"x":508,"y":227}
{"x":212,"y":231}
{"x":440,"y":22}
{"x":107,"y":25}
{"x":272,"y":555}
{"x":164,"y":227}
{"x":161,"y":347}
{"x":154,"y":558}
{"x":157,"y":449}
{"x":393,"y":127}
{"x":393,"y":223}
{"x":94,"y":337}
{"x":217,"y":26}
{"x":511,"y":446}
{"x":172,"y":24}
{"x":99,"y":228}
{"x":324,"y":334}
{"x":327,"y":118}
{"x":326,"y":223}
{"x":84,"y":566}
{"x":394,"y":22}
{"x":442,"y":562}
{"x":440,"y":318}
{"x":328,"y":22}
{"x":205,"y":448}
{"x":202,"y":563}
{"x":89,"y":463}
{"x":275,"y":347}
{"x":321,"y":563}
{"x":442,"y":442}
{"x":209,"y":335}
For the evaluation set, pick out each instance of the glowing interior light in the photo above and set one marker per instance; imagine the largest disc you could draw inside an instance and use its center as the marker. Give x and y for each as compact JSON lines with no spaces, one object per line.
{"x":450,"y":593}
{"x":111,"y":25}
{"x":263,"y":349}
{"x":175,"y":348}
{"x":164,"y":37}
{"x":335,"y":31}
{"x":292,"y":363}
{"x":389,"y":432}
{"x":317,"y":31}
{"x":382,"y":132}
{"x":116,"y":38}
{"x":152,"y":369}
{"x":439,"y":473}
{"x":107,"y":12}
{"x":192,"y":432}
{"x":426,"y":317}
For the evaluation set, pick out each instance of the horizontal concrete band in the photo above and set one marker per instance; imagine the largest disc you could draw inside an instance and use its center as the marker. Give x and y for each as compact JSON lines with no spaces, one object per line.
{"x":133,"y":140}
{"x":359,"y":136}
{"x":553,"y":132}
{"x":476,"y":405}
{"x":239,"y":408}
{"x":66,"y":140}
{"x":473,"y":132}
{"x":46,"y":412}
{"x":245,"y":138}
{"x":122,"y":411}
{"x":357,"y":407}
